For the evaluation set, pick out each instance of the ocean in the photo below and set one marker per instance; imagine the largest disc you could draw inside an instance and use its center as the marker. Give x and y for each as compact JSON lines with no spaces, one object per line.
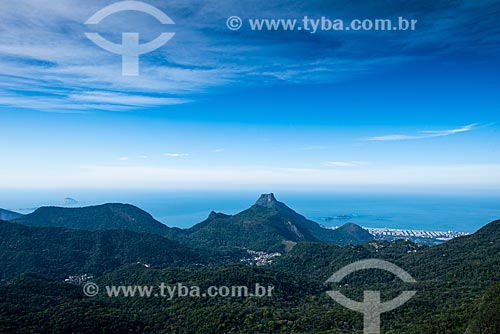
{"x":463,"y":213}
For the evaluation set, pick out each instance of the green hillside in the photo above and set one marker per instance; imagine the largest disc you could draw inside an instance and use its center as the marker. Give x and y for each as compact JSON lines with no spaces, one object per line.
{"x":111,"y":216}
{"x":268,"y":225}
{"x":457,"y":282}
{"x":445,"y":302}
{"x":60,"y":252}
{"x":487,"y":317}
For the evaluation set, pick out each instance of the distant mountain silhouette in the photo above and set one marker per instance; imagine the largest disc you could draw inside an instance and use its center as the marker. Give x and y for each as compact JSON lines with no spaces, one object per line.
{"x":267,"y":225}
{"x":68,"y":201}
{"x":101,"y":217}
{"x":9,"y":215}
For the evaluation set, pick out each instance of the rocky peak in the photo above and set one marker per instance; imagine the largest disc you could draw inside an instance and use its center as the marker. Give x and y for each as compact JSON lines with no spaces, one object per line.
{"x":267,"y":201}
{"x":217,"y":215}
{"x":212,"y":215}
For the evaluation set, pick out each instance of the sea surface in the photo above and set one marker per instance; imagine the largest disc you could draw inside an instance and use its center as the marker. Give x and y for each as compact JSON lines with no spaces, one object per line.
{"x":463,"y":213}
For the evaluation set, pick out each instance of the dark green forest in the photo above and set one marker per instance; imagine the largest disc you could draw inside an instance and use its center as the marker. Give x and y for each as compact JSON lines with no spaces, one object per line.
{"x":458,"y":282}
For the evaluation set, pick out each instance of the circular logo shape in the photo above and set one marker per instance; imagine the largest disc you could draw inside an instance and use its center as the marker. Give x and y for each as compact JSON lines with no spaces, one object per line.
{"x":130,"y":49}
{"x":90,"y":289}
{"x":234,"y":23}
{"x":372,"y":307}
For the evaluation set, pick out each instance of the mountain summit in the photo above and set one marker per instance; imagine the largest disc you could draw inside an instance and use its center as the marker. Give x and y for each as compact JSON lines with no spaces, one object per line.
{"x":267,"y":201}
{"x":267,"y":225}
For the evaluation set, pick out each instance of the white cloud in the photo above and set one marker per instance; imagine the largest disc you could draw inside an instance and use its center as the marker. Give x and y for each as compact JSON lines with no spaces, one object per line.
{"x":443,"y":133}
{"x":424,"y":134}
{"x":126,"y":100}
{"x":176,"y":155}
{"x":68,"y":73}
{"x":123,"y":158}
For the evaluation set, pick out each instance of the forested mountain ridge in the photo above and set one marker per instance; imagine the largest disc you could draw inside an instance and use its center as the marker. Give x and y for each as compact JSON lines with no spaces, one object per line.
{"x":268,"y":225}
{"x":57,"y":252}
{"x":111,"y":216}
{"x":457,"y":282}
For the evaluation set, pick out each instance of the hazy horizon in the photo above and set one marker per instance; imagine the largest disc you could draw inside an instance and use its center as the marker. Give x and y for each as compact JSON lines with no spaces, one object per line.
{"x":440,"y":212}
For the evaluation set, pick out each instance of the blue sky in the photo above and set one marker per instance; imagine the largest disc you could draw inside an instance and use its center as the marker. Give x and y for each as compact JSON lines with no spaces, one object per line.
{"x":219,"y":109}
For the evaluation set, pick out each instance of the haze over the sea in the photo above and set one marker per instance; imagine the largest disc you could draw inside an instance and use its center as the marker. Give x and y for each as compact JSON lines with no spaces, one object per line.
{"x":444,"y":212}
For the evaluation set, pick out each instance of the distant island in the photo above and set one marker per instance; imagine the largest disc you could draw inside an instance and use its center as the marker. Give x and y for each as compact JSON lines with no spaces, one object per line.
{"x":339,"y":217}
{"x":68,"y":201}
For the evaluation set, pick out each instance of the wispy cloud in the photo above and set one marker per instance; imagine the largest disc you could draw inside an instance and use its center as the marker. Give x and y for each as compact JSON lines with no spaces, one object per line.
{"x":124,"y":100}
{"x":123,"y":158}
{"x":44,"y":51}
{"x":424,"y":134}
{"x":176,"y":155}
